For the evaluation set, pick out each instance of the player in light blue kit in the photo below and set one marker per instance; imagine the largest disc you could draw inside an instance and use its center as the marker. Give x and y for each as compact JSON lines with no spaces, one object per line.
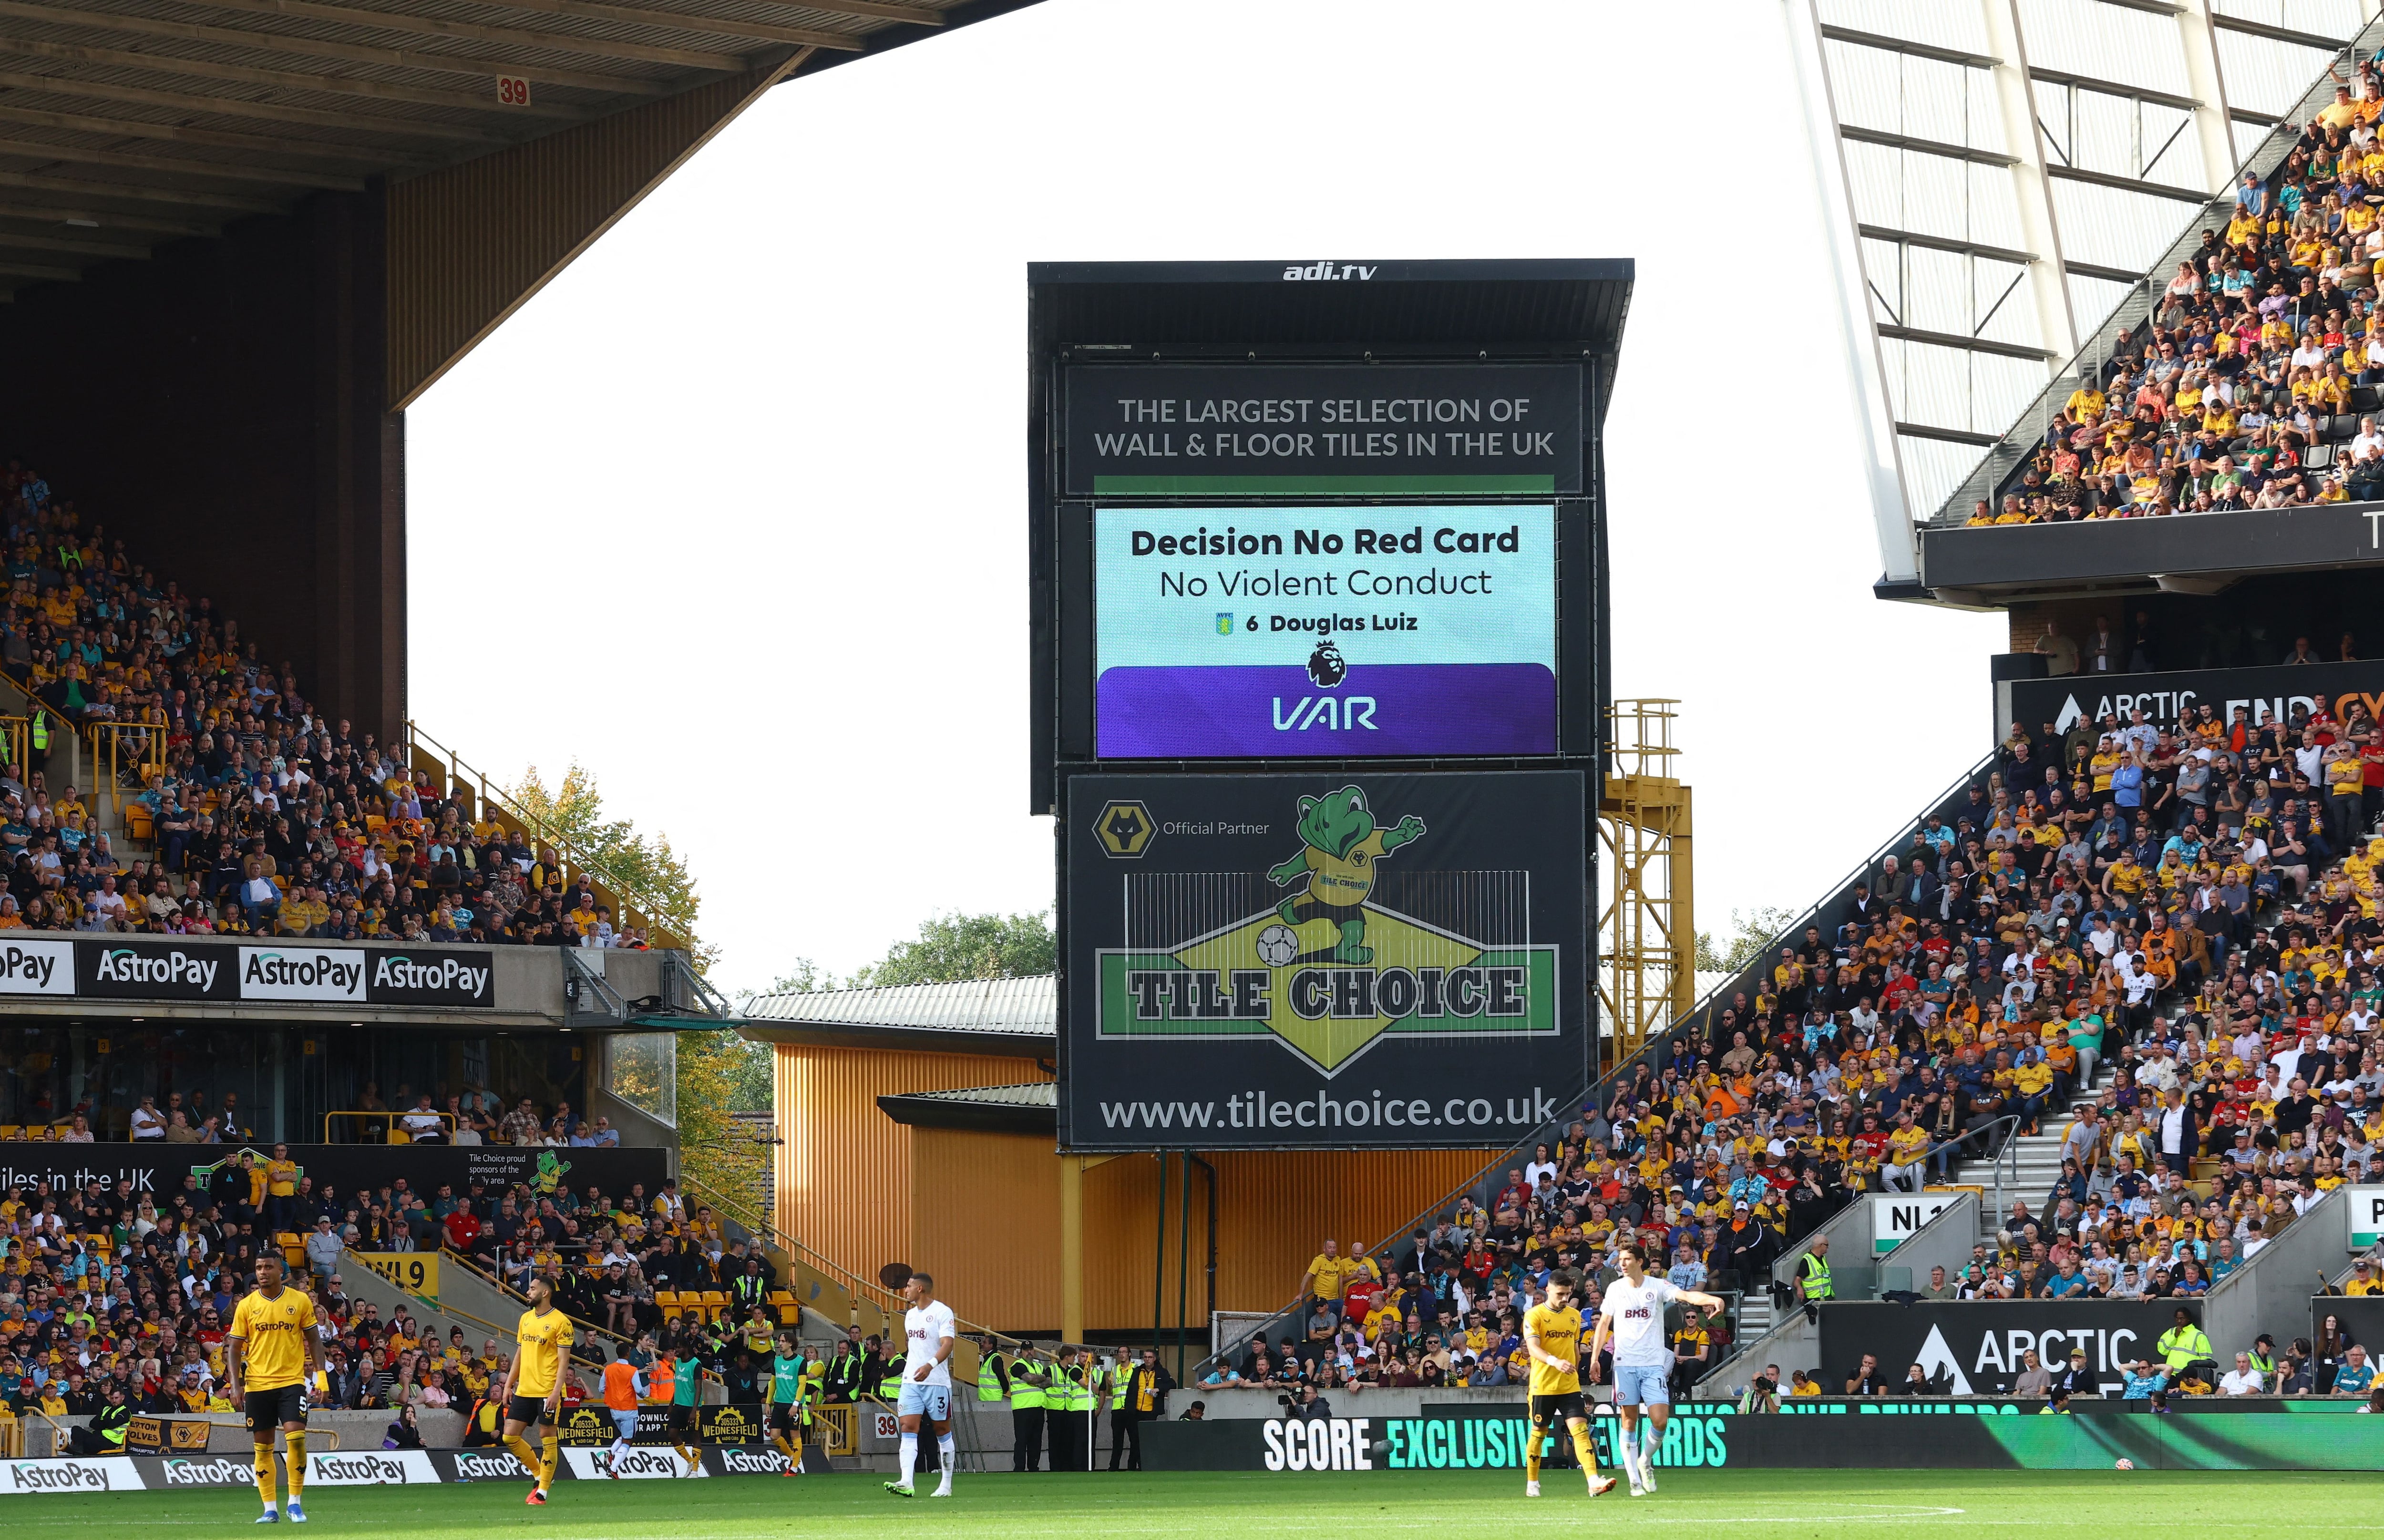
{"x":1633,"y":1314}
{"x":926,"y":1382}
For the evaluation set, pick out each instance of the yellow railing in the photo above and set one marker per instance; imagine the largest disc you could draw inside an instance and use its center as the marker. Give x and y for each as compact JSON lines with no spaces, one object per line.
{"x":122,"y":749}
{"x":389,"y":1130}
{"x":865,"y":1297}
{"x":631,"y":905}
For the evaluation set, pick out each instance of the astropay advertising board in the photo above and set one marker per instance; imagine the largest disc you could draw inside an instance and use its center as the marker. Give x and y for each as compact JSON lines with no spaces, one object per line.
{"x":293,"y":971}
{"x":1323,"y":961}
{"x":1324,"y":632}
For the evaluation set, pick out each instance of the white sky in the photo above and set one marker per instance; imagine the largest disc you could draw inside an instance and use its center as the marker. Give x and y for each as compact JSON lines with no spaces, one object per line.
{"x":734,"y":510}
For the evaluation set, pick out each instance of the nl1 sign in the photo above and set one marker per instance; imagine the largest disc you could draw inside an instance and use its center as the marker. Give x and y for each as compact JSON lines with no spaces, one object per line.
{"x":1897,"y":1217}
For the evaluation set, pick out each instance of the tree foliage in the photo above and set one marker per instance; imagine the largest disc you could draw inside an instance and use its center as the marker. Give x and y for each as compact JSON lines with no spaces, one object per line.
{"x":1751,"y":935}
{"x":954,"y":949}
{"x":806,"y":977}
{"x":721,"y":1073}
{"x":643,"y":863}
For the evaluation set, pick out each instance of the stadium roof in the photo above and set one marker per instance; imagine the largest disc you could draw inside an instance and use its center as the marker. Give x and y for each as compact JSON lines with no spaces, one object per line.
{"x":2006,"y":186}
{"x":125,"y":123}
{"x":1033,"y":1107}
{"x":1015,"y":1016}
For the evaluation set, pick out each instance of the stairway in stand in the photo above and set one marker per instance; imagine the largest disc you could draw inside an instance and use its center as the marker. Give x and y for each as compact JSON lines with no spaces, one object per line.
{"x":2029,"y":1171}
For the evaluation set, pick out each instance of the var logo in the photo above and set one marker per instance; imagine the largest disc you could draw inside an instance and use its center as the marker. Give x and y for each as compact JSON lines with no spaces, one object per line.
{"x":1354,"y":714}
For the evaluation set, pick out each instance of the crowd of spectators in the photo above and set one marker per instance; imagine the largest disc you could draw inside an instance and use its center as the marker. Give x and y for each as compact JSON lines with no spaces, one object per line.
{"x":2242,"y":389}
{"x":267,"y":816}
{"x":472,"y":1116}
{"x":2178,"y":929}
{"x":1446,"y":1307}
{"x":100,"y":1295}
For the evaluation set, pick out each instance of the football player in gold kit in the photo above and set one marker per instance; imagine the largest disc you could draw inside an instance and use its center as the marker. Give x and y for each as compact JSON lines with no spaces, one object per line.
{"x":1552,"y":1337}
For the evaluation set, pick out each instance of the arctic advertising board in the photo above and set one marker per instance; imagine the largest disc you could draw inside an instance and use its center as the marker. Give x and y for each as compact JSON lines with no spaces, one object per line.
{"x":1323,"y":961}
{"x":1266,"y":633}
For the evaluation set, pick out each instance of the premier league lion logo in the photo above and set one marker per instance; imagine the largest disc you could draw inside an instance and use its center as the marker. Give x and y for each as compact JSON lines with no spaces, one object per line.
{"x":1325,"y":667}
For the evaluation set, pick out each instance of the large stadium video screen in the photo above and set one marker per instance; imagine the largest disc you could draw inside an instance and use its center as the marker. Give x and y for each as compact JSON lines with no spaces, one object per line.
{"x":1324,"y":632}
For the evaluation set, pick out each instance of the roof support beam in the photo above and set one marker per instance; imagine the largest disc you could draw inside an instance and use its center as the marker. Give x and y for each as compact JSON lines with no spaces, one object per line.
{"x":2113,"y":88}
{"x":2015,"y":91}
{"x":1947,"y":435}
{"x":875,"y":11}
{"x":50,"y":216}
{"x":1882,"y":459}
{"x":229,"y":106}
{"x":1943,"y":243}
{"x":2200,"y":43}
{"x":518,"y":37}
{"x":135,"y":192}
{"x":2109,"y":275}
{"x":1928,"y":146}
{"x":760,"y":31}
{"x":1906,"y":46}
{"x":2129,"y":184}
{"x":134,"y":128}
{"x":252,"y":42}
{"x":290,"y":79}
{"x":2275,"y":34}
{"x":11,"y":241}
{"x":1968,"y":345}
{"x":39,"y":272}
{"x":221,"y":170}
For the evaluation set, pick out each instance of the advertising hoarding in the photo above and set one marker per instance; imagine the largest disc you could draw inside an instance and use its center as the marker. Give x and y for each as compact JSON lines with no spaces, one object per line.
{"x":1286,"y":632}
{"x":1323,"y":961}
{"x":1976,"y":1346}
{"x":2264,"y":694}
{"x":1943,"y":1435}
{"x":294,"y":970}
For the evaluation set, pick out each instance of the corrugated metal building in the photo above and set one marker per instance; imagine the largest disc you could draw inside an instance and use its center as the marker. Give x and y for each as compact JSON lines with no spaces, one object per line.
{"x":917,"y":1125}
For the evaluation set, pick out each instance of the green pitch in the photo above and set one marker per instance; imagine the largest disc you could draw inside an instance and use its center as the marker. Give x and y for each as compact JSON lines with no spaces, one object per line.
{"x":1838,"y":1505}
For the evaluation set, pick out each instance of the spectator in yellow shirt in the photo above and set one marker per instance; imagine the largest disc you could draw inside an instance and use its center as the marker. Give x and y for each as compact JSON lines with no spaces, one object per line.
{"x":1327,"y":1272}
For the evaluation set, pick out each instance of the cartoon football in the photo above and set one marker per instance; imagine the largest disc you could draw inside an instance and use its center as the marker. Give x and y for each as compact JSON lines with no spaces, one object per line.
{"x":1277,"y":946}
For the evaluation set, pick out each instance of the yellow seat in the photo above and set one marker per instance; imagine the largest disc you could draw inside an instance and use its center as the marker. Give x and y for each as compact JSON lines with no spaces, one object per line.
{"x":715,"y":1303}
{"x":399,"y":1136}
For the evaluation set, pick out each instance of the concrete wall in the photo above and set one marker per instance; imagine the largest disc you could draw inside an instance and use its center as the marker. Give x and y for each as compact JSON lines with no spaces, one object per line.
{"x":1850,"y":1260}
{"x":1944,"y":1242}
{"x":2271,"y":1293}
{"x":477,"y":1306}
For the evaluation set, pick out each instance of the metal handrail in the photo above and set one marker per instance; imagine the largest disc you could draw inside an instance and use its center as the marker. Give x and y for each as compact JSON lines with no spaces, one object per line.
{"x":117,"y":747}
{"x":630,"y":901}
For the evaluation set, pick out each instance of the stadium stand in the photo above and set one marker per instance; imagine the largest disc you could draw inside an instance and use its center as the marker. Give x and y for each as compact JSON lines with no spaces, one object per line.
{"x":249,"y":811}
{"x":2254,"y":382}
{"x":94,"y":1294}
{"x":2150,"y":970}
